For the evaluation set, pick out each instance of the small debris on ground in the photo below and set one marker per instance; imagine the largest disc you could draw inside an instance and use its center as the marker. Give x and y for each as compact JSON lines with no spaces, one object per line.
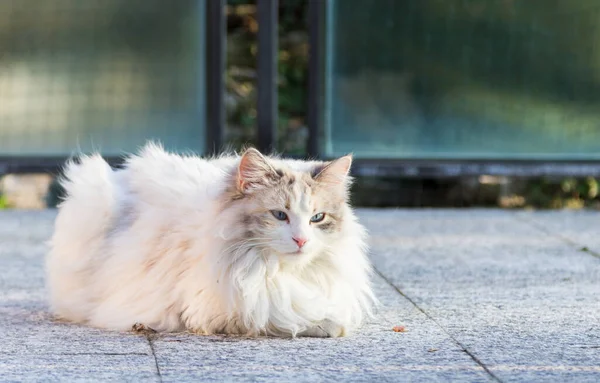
{"x":432,"y":350}
{"x":399,"y":329}
{"x":142,"y":328}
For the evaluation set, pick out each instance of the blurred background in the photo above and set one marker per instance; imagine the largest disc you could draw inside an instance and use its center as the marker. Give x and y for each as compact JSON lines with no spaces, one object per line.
{"x":443,"y":102}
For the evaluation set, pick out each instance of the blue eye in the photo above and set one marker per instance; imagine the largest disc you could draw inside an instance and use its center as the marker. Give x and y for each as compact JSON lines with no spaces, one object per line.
{"x":279,"y":215}
{"x":317,"y":217}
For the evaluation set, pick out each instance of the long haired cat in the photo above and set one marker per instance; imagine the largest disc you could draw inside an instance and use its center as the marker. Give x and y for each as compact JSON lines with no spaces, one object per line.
{"x":246,"y":244}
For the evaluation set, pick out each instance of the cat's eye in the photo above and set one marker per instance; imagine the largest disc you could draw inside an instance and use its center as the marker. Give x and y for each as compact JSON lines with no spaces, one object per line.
{"x":279,"y":215}
{"x":317,"y":217}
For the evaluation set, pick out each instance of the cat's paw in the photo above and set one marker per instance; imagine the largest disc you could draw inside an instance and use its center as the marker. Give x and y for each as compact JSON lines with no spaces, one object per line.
{"x":325,"y":329}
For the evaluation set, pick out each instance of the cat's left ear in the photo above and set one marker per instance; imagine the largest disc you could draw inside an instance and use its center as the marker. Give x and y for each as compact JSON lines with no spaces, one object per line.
{"x":335,"y":172}
{"x":255,"y":171}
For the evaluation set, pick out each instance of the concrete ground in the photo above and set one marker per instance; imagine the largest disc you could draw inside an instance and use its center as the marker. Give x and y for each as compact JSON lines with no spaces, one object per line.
{"x":484,"y":295}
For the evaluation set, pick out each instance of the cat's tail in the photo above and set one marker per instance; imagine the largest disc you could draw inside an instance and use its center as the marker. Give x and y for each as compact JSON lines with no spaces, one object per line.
{"x":90,"y":202}
{"x":84,"y":217}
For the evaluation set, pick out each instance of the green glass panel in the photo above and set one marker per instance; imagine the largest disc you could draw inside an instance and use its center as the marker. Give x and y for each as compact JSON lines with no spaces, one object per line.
{"x":100,"y":75}
{"x":496,"y":79}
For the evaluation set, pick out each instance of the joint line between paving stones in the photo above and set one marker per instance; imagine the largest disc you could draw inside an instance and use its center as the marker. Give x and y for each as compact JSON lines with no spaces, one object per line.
{"x":150,"y":340}
{"x":456,"y":341}
{"x":565,"y":239}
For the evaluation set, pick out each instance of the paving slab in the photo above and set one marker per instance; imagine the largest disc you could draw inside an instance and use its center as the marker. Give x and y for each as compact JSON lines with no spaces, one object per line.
{"x":524,"y":303}
{"x":579,"y":227}
{"x":423,"y":353}
{"x":485,"y":295}
{"x":36,"y":348}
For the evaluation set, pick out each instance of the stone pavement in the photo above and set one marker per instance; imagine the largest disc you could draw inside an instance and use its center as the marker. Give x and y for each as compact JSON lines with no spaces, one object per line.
{"x":485,"y":296}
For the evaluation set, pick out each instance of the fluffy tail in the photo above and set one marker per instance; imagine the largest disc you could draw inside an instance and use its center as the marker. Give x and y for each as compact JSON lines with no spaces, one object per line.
{"x":79,"y":233}
{"x":88,"y":208}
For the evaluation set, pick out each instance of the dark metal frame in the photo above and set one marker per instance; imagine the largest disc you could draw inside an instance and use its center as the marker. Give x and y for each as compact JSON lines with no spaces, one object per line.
{"x":267,"y":111}
{"x":215,"y":75}
{"x":315,"y":76}
{"x":267,"y":95}
{"x":453,"y":168}
{"x":45,"y":164}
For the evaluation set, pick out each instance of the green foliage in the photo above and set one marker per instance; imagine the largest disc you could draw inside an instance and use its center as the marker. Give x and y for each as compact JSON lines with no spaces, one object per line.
{"x":569,"y":193}
{"x":292,"y":69}
{"x":3,"y":202}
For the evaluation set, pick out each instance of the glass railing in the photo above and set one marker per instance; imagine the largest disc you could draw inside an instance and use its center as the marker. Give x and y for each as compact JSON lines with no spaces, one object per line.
{"x":435,"y":79}
{"x":101,"y":75}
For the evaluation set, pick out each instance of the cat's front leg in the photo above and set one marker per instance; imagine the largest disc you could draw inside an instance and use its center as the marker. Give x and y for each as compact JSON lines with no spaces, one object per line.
{"x":324,"y":329}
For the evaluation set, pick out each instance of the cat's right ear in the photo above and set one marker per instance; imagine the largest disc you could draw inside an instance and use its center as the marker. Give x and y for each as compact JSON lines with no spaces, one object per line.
{"x":255,"y":171}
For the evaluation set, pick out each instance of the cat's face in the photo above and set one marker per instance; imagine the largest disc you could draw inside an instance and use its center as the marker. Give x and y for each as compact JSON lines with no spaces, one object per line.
{"x":292,"y":213}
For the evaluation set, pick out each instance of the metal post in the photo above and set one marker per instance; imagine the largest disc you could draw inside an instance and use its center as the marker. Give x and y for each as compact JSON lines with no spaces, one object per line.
{"x":267,"y":115}
{"x":316,"y":10}
{"x":215,"y":75}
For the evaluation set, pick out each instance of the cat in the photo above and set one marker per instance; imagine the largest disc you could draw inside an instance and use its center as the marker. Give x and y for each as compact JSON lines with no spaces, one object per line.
{"x":237,"y":244}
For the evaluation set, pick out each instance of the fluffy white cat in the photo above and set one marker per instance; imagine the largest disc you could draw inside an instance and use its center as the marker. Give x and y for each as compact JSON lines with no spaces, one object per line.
{"x":248,"y":244}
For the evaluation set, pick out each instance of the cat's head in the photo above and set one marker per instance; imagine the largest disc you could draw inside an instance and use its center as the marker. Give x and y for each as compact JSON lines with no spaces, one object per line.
{"x":293,"y":211}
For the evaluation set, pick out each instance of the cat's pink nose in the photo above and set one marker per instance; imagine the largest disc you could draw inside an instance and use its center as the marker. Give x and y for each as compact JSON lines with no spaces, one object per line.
{"x":300,"y":241}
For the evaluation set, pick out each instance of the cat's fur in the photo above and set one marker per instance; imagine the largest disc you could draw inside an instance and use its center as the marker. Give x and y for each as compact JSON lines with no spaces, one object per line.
{"x":184,"y":243}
